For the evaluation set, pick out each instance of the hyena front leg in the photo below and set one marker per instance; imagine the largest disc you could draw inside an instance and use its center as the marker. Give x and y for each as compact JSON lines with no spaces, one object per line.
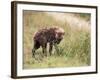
{"x":57,"y":49}
{"x":50,"y":48}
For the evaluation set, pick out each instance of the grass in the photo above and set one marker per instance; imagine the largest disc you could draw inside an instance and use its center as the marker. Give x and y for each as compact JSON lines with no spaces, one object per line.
{"x":85,"y":16}
{"x":74,"y":49}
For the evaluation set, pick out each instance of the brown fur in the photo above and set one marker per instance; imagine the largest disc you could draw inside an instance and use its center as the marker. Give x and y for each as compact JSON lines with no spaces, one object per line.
{"x":47,"y":35}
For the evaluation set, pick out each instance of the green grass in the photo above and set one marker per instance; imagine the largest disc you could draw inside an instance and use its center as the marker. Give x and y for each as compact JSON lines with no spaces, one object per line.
{"x":74,"y":49}
{"x":52,"y":62}
{"x":85,"y":16}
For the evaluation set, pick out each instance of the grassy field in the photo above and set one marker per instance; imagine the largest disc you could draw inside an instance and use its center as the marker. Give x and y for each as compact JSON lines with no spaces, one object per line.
{"x":74,"y":49}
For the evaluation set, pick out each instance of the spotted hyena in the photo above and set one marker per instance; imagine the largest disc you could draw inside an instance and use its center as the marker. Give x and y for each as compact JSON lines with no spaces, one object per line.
{"x":53,"y":36}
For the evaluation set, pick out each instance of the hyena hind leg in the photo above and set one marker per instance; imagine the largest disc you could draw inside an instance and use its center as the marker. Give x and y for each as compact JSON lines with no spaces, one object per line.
{"x":33,"y":52}
{"x":44,"y":49}
{"x":36,"y":46}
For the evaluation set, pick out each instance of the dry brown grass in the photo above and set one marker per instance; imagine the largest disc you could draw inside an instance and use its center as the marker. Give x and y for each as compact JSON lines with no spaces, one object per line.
{"x":74,"y":48}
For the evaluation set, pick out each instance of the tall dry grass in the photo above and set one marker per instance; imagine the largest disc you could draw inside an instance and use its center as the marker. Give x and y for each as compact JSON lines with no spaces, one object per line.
{"x":74,"y":49}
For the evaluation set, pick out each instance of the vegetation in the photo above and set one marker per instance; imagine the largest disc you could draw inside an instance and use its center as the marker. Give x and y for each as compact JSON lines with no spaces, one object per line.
{"x":74,"y":49}
{"x":84,"y":16}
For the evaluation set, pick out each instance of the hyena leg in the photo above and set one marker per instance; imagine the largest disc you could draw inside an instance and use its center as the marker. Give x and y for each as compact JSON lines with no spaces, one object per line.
{"x":36,"y":46}
{"x":56,"y":48}
{"x":44,"y":46}
{"x":33,"y":52}
{"x":50,"y":48}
